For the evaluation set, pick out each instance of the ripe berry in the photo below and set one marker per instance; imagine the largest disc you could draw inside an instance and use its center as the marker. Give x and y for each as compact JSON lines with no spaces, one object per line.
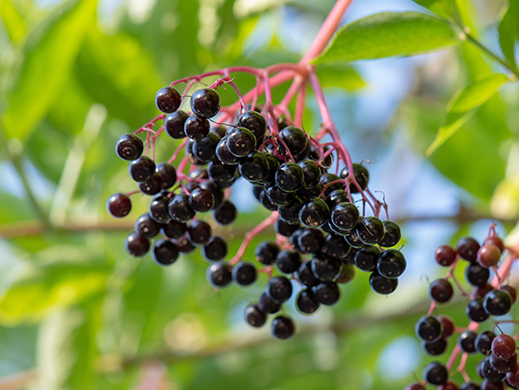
{"x":219,"y":274}
{"x":449,"y":386}
{"x":480,"y":292}
{"x":467,"y":341}
{"x":392,"y":235}
{"x":327,"y":179}
{"x":265,"y":202}
{"x":345,"y":216}
{"x":129,"y":147}
{"x":159,"y":208}
{"x":382,"y":285}
{"x":215,"y":249}
{"x":314,"y":212}
{"x":136,"y":245}
{"x":447,"y":326}
{"x":199,"y":232}
{"x":267,"y":305}
{"x":253,"y":167}
{"x":370,"y":230}
{"x":470,"y":386}
{"x":360,"y":173}
{"x":119,"y":205}
{"x":164,"y":252}
{"x":205,"y":149}
{"x":288,"y":262}
{"x":294,"y":138}
{"x":173,"y":229}
{"x":335,"y":197}
{"x":184,"y":245}
{"x":226,"y":213}
{"x":223,"y":175}
{"x":441,"y":291}
{"x":366,"y":258}
{"x":434,"y":348}
{"x":168,"y":99}
{"x":503,"y":365}
{"x":311,"y":241}
{"x":510,"y":290}
{"x":488,"y":255}
{"x":488,"y":372}
{"x":467,"y":248}
{"x":391,"y":264}
{"x":241,"y":142}
{"x":311,"y":173}
{"x":495,"y":240}
{"x":325,"y":268}
{"x":205,"y":102}
{"x":306,"y":302}
{"x":147,"y":227}
{"x":279,"y":197}
{"x":435,"y":373}
{"x":196,"y":127}
{"x":445,"y":255}
{"x":483,"y":342}
{"x":223,"y":153}
{"x":174,"y":124}
{"x":290,"y":213}
{"x":475,"y":311}
{"x":253,"y":121}
{"x":284,"y":228}
{"x":415,"y":386}
{"x":327,"y":293}
{"x":335,"y":246}
{"x":244,"y":273}
{"x":497,"y":303}
{"x":282,"y":328}
{"x":279,"y":289}
{"x":153,"y":185}
{"x":180,"y":209}
{"x":289,"y":177}
{"x":201,"y":200}
{"x":254,"y":316}
{"x":490,"y":385}
{"x":306,"y":276}
{"x":266,"y":252}
{"x":142,"y":169}
{"x":477,"y":275}
{"x":346,"y":275}
{"x":428,"y":328}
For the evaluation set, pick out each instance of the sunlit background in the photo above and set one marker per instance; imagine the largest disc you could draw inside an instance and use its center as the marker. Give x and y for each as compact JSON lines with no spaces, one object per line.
{"x":76,"y":312}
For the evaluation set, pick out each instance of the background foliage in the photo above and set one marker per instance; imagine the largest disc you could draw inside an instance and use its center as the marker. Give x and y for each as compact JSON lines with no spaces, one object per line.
{"x":76,"y":312}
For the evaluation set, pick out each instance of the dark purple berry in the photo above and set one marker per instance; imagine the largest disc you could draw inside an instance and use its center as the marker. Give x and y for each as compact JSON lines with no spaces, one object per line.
{"x":199,"y":232}
{"x":266,"y":252}
{"x":153,"y":186}
{"x":254,"y":316}
{"x":434,"y":348}
{"x":311,"y":173}
{"x":467,"y":341}
{"x":310,"y":241}
{"x":306,"y":276}
{"x":284,"y":228}
{"x":314,"y":212}
{"x":370,"y":230}
{"x":129,"y":147}
{"x":196,"y":127}
{"x":219,"y":274}
{"x":289,"y":177}
{"x":215,"y":249}
{"x":288,"y":262}
{"x":174,"y":124}
{"x":477,"y":275}
{"x":366,"y":258}
{"x":382,"y":285}
{"x":119,"y":205}
{"x":327,"y":293}
{"x":174,"y":229}
{"x":441,"y":291}
{"x":142,"y":169}
{"x":467,"y":248}
{"x":345,"y":216}
{"x":226,"y":213}
{"x":428,"y":328}
{"x":445,"y":255}
{"x":392,"y":235}
{"x":497,"y":302}
{"x":306,"y":302}
{"x":164,"y":252}
{"x":159,"y":208}
{"x":267,"y":305}
{"x":136,"y":245}
{"x":253,"y":121}
{"x":205,"y":102}
{"x":294,"y":138}
{"x":475,"y":311}
{"x":147,"y":227}
{"x":279,"y":289}
{"x":179,"y":208}
{"x":254,"y":167}
{"x":435,"y":373}
{"x":325,"y":268}
{"x":205,"y":149}
{"x":201,"y":200}
{"x":360,"y":173}
{"x":241,"y":142}
{"x":184,"y":245}
{"x":483,"y":342}
{"x":168,"y":99}
{"x":391,"y":264}
{"x":244,"y":273}
{"x":282,"y":328}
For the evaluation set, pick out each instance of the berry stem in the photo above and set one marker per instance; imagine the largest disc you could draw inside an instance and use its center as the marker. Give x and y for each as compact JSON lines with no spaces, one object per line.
{"x":270,"y":220}
{"x":177,"y":152}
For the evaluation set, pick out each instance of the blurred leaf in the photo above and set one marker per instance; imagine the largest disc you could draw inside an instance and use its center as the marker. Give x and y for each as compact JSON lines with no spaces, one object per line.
{"x":48,"y":59}
{"x":340,"y":75}
{"x":509,"y":31}
{"x":436,"y":6}
{"x":463,"y":106}
{"x":13,"y":209}
{"x":39,"y":289}
{"x":389,"y":34}
{"x":14,"y":22}
{"x":117,"y":72}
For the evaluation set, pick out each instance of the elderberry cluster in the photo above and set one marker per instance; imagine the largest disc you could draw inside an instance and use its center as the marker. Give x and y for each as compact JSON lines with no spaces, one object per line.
{"x":321,"y":235}
{"x":498,"y":366}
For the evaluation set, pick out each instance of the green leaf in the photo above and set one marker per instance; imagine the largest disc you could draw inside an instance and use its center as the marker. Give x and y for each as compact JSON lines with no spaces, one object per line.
{"x":47,"y":62}
{"x":436,"y":6}
{"x":340,"y":75}
{"x":389,"y":34}
{"x":39,"y":289}
{"x":13,"y":21}
{"x":509,"y":31}
{"x":463,"y":105}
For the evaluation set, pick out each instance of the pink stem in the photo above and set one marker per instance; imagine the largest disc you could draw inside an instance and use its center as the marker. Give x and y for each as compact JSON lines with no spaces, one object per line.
{"x":300,"y":105}
{"x":179,"y":149}
{"x":250,"y":235}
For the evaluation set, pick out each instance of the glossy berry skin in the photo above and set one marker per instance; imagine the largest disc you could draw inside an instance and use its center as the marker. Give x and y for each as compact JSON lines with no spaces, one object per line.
{"x":159,"y":209}
{"x":392,"y":235}
{"x":284,"y":228}
{"x":294,"y":138}
{"x":503,"y":346}
{"x":226,"y":213}
{"x":488,"y":255}
{"x":335,"y":246}
{"x":480,"y":292}
{"x":147,"y":227}
{"x":279,"y":289}
{"x":288,"y":262}
{"x":382,"y":285}
{"x":441,"y":291}
{"x":265,"y":202}
{"x":353,"y":240}
{"x":289,"y":177}
{"x":497,"y":302}
{"x":129,"y":147}
{"x":223,"y":175}
{"x":366,"y":258}
{"x":467,"y":341}
{"x":428,"y":328}
{"x":447,"y":325}
{"x":184,"y":245}
{"x":215,"y":249}
{"x":326,"y":180}
{"x":136,"y":245}
{"x":470,"y":386}
{"x":327,"y":293}
{"x":279,"y":197}
{"x":335,"y":197}
{"x":253,"y":121}
{"x":119,"y":205}
{"x":174,"y":124}
{"x":153,"y":185}
{"x":164,"y":252}
{"x":346,"y":275}
{"x":199,"y":232}
{"x":503,"y":366}
{"x":510,"y":290}
{"x":445,"y":255}
{"x":142,"y":169}
{"x":241,"y":142}
{"x":273,"y":164}
{"x":205,"y":102}
{"x":370,"y":230}
{"x":488,"y":372}
{"x":204,"y":149}
{"x":266,"y":252}
{"x":223,"y":153}
{"x":306,"y":302}
{"x":244,"y":273}
{"x":360,"y":173}
{"x":325,"y":268}
{"x":179,"y":208}
{"x":201,"y":200}
{"x":219,"y":274}
{"x":475,"y":311}
{"x":483,"y":342}
{"x":314,"y":212}
{"x":254,"y":316}
{"x":196,"y":127}
{"x":477,"y":275}
{"x":467,"y":248}
{"x":310,"y":241}
{"x":173,"y":229}
{"x":282,"y":328}
{"x":435,"y":373}
{"x":434,"y":348}
{"x":345,"y":216}
{"x":306,"y":276}
{"x":254,"y":167}
{"x":168,"y":99}
{"x":311,"y":173}
{"x":168,"y":173}
{"x":495,"y":240}
{"x":267,"y":305}
{"x":290,"y":213}
{"x":391,"y":264}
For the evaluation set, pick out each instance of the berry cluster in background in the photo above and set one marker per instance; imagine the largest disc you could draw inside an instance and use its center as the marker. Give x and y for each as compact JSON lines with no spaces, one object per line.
{"x":318,"y":199}
{"x":496,"y":351}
